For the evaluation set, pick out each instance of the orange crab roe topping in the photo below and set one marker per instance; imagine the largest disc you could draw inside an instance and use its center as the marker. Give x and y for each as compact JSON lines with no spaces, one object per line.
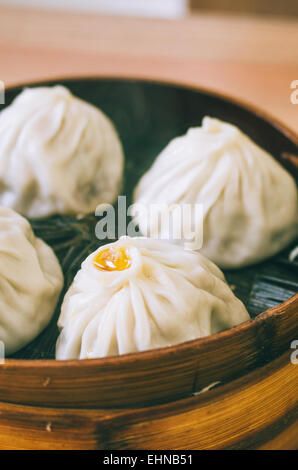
{"x":112,"y":259}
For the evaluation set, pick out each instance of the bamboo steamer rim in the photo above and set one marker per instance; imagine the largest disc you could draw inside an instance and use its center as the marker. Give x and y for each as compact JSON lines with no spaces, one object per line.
{"x":168,"y":425}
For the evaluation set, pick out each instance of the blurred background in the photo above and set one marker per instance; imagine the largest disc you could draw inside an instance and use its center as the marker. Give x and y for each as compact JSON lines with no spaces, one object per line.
{"x":244,"y":48}
{"x":270,"y":7}
{"x":167,"y":8}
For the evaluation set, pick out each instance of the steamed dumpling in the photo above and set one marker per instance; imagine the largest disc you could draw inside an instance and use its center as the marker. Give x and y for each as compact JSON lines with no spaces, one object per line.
{"x":249,"y":201}
{"x":58,"y":154}
{"x":30,"y":282}
{"x":138,"y":294}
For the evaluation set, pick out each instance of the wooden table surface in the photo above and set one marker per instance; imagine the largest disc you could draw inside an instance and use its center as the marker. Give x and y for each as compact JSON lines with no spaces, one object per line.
{"x":254,"y":59}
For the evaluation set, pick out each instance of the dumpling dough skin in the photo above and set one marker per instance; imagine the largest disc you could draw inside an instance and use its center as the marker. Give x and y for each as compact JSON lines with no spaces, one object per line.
{"x":168,"y":295}
{"x":58,"y":154}
{"x":249,"y":200}
{"x":30,"y":282}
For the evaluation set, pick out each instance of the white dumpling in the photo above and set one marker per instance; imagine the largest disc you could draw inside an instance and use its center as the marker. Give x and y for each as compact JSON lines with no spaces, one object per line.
{"x":30,"y":282}
{"x":58,"y":154}
{"x":138,"y":294}
{"x":249,"y":200}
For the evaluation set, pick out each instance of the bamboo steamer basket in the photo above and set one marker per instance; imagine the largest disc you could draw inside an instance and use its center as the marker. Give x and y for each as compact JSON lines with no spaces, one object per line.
{"x":252,"y":412}
{"x":160,"y":399}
